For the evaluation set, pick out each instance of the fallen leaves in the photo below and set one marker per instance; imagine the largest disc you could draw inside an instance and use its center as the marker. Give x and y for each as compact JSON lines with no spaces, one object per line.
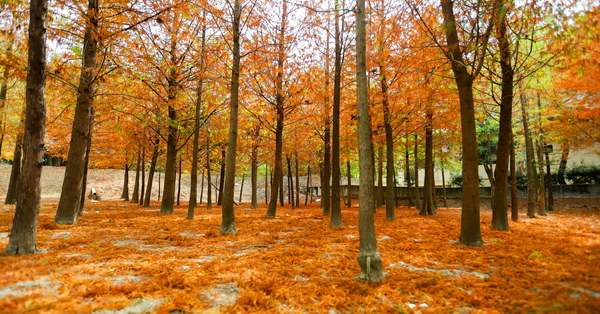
{"x":125,"y":257}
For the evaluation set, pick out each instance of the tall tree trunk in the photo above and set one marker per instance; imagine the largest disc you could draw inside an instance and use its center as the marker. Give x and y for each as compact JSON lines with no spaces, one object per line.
{"x":470,"y":230}
{"x":254,"y":177}
{"x":143,"y":179}
{"x":349,"y":189}
{"x":444,"y":186}
{"x":428,"y":206}
{"x":179,"y":182}
{"x":325,"y":187}
{"x":562,"y":166}
{"x":222,"y":176}
{"x":549,"y":181}
{"x":307,"y":186}
{"x":70,"y":197}
{"x":541,"y":180}
{"x":242,"y":188}
{"x":417,"y":191}
{"x":23,"y":235}
{"x":336,"y":210}
{"x":297,"y":182}
{"x":151,"y":174}
{"x":4,"y":92}
{"x":208,"y":174}
{"x":227,"y":211}
{"x":281,"y":199}
{"x":514,"y":198}
{"x":85,"y":174}
{"x":125,"y":194}
{"x":15,"y":171}
{"x":500,"y":195}
{"x":168,"y":198}
{"x":531,"y":174}
{"x":379,"y":202}
{"x":135,"y":196}
{"x":411,"y":201}
{"x":201,"y":186}
{"x":290,"y":182}
{"x":193,"y":202}
{"x":369,"y":258}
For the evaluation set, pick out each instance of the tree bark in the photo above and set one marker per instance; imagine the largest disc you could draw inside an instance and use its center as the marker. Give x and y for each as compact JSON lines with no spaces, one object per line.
{"x":193,"y":202}
{"x":349,"y":189}
{"x":416,"y":160}
{"x":23,"y":235}
{"x":254,"y":177}
{"x":428,"y":206}
{"x":514,"y":198}
{"x":562,"y":166}
{"x":369,"y":258}
{"x":411,"y":201}
{"x":168,"y":198}
{"x":70,"y":197}
{"x":143,"y":179}
{"x":379,"y":203}
{"x":151,"y":174}
{"x":307,"y":186}
{"x":549,"y":181}
{"x":125,"y":194}
{"x":208,"y":174}
{"x":135,"y":196}
{"x":470,"y":233}
{"x":500,"y":195}
{"x":227,"y":211}
{"x":15,"y":171}
{"x":297,"y":181}
{"x":336,"y":210}
{"x":290,"y":182}
{"x":541,"y":180}
{"x":222,"y":176}
{"x":530,"y":159}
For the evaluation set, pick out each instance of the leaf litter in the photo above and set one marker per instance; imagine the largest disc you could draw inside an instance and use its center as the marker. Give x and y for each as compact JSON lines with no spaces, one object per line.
{"x":122,"y":258}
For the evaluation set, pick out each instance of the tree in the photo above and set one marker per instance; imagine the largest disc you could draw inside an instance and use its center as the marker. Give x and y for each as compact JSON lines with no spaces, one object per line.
{"x":72,"y":188}
{"x":369,"y":258}
{"x":228,"y":215}
{"x":470,"y":232}
{"x":23,"y":235}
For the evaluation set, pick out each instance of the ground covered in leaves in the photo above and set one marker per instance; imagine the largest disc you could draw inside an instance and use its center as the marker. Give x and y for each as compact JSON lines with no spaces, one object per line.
{"x":123,"y":258}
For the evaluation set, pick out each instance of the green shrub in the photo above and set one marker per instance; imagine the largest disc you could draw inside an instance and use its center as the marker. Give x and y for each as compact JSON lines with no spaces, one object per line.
{"x":457,"y":180}
{"x":584,"y":174}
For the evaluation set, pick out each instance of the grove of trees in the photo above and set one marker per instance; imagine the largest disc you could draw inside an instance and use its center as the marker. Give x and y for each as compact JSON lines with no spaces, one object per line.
{"x":236,"y":88}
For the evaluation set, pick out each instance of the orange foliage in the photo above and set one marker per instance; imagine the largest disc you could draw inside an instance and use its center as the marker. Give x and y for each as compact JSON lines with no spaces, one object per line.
{"x":121,"y":255}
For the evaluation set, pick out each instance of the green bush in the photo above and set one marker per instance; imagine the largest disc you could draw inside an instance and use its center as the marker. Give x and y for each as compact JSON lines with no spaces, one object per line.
{"x":584,"y":174}
{"x":521,"y":179}
{"x":457,"y":180}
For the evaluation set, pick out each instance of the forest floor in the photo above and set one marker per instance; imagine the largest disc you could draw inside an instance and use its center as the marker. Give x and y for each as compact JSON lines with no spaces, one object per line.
{"x":123,"y":258}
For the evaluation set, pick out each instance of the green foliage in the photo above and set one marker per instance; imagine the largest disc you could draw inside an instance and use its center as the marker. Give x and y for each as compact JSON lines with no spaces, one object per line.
{"x":584,"y":174}
{"x":521,"y":179}
{"x":457,"y":180}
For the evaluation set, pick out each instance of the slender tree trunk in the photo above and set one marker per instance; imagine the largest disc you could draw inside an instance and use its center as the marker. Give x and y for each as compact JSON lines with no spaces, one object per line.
{"x":135,"y":196}
{"x":514,"y":198}
{"x":193,"y":202}
{"x":369,"y":258}
{"x":444,"y":186}
{"x":336,"y":210}
{"x":281,"y":198}
{"x":500,"y":195}
{"x":541,"y":184}
{"x":168,"y":198}
{"x":267,"y":184}
{"x":417,"y":191}
{"x":143,"y":179}
{"x":23,"y":235}
{"x":563,"y":166}
{"x":222,"y":176}
{"x":531,"y":175}
{"x":254,"y":177}
{"x":201,"y":186}
{"x":307,"y":186}
{"x":349,"y":170}
{"x":70,"y":197}
{"x":242,"y":188}
{"x":179,"y":183}
{"x":290,"y":182}
{"x":379,"y":203}
{"x":428,"y":206}
{"x":411,"y":201}
{"x":228,"y":225}
{"x":151,"y":175}
{"x":85,"y":174}
{"x":277,"y":171}
{"x":549,"y":182}
{"x":15,"y":171}
{"x":297,"y":182}
{"x":125,"y":194}
{"x":208,"y":174}
{"x":4,"y":92}
{"x":325,"y":187}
